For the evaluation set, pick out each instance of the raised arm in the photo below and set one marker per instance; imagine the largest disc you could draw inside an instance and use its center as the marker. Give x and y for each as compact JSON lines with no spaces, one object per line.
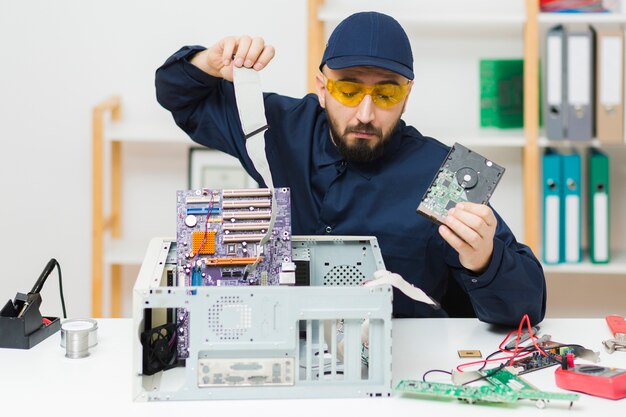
{"x":195,"y":85}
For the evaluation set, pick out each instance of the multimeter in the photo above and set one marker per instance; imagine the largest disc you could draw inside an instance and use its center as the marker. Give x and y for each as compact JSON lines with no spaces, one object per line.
{"x":593,"y":380}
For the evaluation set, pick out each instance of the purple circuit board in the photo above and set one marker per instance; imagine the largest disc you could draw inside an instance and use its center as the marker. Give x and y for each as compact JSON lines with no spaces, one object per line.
{"x":222,"y":239}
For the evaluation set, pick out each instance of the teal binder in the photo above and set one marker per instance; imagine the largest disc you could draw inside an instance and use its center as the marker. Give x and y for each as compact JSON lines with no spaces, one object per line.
{"x":571,"y":207}
{"x":598,"y":206}
{"x":551,"y":162}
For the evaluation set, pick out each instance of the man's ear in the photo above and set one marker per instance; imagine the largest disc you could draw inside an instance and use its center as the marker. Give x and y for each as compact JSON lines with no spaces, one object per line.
{"x":320,"y":87}
{"x":408,"y":93}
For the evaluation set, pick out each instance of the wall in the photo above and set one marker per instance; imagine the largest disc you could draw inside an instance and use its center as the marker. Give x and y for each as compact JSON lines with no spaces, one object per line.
{"x":60,"y":58}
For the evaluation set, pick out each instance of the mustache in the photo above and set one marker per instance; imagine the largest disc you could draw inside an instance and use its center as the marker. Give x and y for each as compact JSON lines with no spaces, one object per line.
{"x":365,"y":128}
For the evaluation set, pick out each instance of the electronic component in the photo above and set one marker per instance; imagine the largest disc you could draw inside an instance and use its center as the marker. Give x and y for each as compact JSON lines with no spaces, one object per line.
{"x":507,"y":377}
{"x":469,"y":354}
{"x":594,"y":380}
{"x":463,"y":176}
{"x":21,"y":324}
{"x":555,"y":351}
{"x":231,"y":241}
{"x":534,"y":362}
{"x":505,"y":387}
{"x":240,"y":238}
{"x":159,"y":348}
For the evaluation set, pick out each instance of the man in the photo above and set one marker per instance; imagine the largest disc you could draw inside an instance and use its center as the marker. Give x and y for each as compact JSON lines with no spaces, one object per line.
{"x":355,"y":168}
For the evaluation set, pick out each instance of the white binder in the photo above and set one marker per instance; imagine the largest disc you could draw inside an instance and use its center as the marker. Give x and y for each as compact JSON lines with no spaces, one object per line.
{"x":554,"y":81}
{"x":580,"y":80}
{"x":610,"y":85}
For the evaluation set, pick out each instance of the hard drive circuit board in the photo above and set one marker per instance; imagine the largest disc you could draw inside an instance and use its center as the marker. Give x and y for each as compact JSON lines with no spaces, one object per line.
{"x":464,"y":176}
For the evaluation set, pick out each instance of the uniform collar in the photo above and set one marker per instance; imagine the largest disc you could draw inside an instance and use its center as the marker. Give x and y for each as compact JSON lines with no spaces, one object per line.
{"x":329,"y":153}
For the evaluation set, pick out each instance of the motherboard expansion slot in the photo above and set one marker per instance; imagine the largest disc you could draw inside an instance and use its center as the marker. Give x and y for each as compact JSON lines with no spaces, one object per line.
{"x":252,"y":192}
{"x":247,"y":215}
{"x":246,"y":226}
{"x":246,"y":203}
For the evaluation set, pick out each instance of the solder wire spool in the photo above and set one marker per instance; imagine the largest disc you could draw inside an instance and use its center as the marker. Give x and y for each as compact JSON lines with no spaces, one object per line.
{"x":77,"y":336}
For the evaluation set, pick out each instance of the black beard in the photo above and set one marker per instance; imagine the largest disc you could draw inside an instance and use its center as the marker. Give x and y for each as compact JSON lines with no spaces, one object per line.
{"x":361,"y":151}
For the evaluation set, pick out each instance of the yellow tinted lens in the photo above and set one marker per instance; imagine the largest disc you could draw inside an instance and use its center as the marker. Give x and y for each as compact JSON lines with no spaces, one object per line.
{"x":346,"y":92}
{"x":388,"y":95}
{"x":351,"y":93}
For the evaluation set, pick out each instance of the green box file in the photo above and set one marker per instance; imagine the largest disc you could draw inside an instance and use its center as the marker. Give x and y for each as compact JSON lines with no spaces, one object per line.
{"x":502,"y":93}
{"x":598,"y":200}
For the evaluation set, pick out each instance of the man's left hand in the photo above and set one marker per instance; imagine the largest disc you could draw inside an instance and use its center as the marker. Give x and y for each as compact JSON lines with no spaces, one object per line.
{"x":469,"y":228}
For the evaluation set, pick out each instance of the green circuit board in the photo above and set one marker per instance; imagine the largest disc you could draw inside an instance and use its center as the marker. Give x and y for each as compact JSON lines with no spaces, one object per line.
{"x":506,"y":379}
{"x":487,"y":393}
{"x":443,"y":194}
{"x":506,"y":387}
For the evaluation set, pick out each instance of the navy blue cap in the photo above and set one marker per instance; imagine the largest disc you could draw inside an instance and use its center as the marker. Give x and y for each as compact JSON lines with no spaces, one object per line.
{"x":369,"y":39}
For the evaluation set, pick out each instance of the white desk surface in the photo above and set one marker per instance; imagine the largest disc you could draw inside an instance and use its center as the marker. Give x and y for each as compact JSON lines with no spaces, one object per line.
{"x":42,"y":380}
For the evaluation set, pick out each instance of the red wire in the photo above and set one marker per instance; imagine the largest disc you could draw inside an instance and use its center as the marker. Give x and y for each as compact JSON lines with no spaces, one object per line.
{"x":516,"y":352}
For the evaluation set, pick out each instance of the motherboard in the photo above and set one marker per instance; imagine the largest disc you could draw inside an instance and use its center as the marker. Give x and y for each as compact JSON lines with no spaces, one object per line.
{"x":232,"y":237}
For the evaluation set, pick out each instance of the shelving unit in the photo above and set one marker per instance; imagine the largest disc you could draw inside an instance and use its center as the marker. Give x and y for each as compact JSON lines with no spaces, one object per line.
{"x":617,"y":265}
{"x":115,"y":139}
{"x":528,"y":24}
{"x":110,"y":251}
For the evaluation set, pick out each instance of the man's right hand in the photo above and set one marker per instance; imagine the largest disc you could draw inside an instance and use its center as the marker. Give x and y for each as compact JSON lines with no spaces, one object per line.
{"x":241,"y":51}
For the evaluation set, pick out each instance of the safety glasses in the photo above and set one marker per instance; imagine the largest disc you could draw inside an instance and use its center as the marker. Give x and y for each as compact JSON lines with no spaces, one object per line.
{"x":351,"y":93}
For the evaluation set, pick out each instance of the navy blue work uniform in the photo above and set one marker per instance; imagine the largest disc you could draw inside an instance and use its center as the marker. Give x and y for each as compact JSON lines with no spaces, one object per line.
{"x":332,"y":196}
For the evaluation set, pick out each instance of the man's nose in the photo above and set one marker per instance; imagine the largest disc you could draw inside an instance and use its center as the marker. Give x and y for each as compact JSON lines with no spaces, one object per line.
{"x":365,"y":113}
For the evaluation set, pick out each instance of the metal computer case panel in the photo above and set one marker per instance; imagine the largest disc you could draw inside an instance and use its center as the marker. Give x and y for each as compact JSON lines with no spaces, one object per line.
{"x":255,"y":334}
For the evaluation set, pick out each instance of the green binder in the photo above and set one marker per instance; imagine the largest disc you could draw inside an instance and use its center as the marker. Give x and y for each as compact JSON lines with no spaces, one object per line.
{"x":502,"y":93}
{"x":598,"y":199}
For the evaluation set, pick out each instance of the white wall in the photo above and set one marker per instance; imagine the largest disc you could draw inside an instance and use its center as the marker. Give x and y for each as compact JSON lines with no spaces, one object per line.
{"x":58,"y":59}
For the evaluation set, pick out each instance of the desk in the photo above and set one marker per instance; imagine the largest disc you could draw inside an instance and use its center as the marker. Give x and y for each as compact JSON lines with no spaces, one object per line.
{"x":42,"y":380}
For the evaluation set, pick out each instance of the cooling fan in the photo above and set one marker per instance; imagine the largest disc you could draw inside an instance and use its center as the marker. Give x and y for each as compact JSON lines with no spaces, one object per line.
{"x":159,"y":348}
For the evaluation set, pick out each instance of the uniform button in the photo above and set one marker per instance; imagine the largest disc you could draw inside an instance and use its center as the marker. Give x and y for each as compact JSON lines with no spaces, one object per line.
{"x":329,"y":229}
{"x":474,"y":280}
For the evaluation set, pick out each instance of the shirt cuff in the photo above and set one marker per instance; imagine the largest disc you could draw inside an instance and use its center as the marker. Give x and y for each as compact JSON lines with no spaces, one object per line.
{"x":185,"y":54}
{"x":473,"y":281}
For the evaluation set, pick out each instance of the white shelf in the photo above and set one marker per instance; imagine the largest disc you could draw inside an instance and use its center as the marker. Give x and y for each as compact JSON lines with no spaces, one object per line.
{"x":616,"y":266}
{"x":544,"y":142}
{"x":146,"y":133}
{"x":487,"y":137}
{"x":433,"y":22}
{"x":333,"y":14}
{"x":590,"y":18}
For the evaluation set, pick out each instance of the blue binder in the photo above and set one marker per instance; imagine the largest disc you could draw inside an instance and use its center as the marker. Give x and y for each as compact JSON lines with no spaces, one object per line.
{"x":571,"y":207}
{"x":552,"y":253}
